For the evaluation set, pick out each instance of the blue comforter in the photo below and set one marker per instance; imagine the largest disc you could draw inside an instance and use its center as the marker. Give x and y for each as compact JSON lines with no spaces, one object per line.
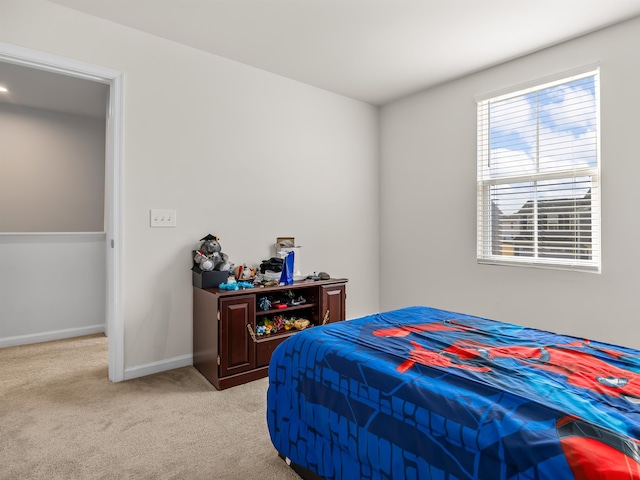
{"x":420,"y":393}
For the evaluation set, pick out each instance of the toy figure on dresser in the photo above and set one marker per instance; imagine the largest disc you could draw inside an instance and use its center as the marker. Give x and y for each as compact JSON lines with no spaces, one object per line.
{"x":264,"y":303}
{"x":243,"y":272}
{"x":277,"y":323}
{"x":210,"y":256}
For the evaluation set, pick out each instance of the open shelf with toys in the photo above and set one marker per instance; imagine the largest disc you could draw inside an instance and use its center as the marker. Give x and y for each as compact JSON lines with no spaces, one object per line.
{"x":236,"y":331}
{"x":287,"y":310}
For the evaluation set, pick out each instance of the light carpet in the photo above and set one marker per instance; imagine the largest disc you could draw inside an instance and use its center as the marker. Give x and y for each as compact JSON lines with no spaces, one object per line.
{"x":61,"y":418}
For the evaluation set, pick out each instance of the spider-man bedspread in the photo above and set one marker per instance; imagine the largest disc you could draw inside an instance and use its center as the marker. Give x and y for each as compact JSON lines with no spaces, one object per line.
{"x":420,"y":393}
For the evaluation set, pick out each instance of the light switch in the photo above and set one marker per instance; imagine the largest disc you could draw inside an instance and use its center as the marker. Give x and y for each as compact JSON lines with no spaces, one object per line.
{"x":163,"y":218}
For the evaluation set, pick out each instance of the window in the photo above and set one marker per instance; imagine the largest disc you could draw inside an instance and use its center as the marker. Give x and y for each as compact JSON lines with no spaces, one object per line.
{"x":539,"y":175}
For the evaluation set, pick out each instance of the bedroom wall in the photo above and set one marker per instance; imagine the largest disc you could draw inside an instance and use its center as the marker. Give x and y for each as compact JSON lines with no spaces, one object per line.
{"x":52,"y":286}
{"x":237,"y":152}
{"x":51,"y":180}
{"x":428,"y":188}
{"x":52,"y":168}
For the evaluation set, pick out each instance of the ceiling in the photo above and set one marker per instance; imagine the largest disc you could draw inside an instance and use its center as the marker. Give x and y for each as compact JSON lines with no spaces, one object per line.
{"x":29,"y":87}
{"x":371,"y":50}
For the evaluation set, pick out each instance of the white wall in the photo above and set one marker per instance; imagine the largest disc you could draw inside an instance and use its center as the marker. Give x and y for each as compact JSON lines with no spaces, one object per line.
{"x":428,"y":188}
{"x":238,"y":152}
{"x":52,"y":171}
{"x":51,"y":180}
{"x":51,"y":286}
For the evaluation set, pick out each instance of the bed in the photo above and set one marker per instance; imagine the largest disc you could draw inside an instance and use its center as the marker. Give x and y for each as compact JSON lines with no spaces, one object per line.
{"x":421,"y":393}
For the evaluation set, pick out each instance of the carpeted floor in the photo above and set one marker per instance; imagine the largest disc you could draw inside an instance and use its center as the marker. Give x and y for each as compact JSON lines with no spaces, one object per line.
{"x":61,"y":418}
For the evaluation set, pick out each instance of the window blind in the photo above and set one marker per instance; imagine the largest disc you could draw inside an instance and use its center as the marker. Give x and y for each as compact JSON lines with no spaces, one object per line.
{"x":538,"y":188}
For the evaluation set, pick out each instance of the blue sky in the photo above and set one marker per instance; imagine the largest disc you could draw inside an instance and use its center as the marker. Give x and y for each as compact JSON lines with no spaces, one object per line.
{"x":543,"y":132}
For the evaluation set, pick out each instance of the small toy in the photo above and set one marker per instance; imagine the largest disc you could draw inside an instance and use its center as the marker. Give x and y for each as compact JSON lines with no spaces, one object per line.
{"x":264,"y":303}
{"x":210,"y":255}
{"x":297,"y":301}
{"x":243,"y":272}
{"x":235,"y":285}
{"x":269,"y":326}
{"x":278,"y":322}
{"x":319,"y":276}
{"x":301,"y":323}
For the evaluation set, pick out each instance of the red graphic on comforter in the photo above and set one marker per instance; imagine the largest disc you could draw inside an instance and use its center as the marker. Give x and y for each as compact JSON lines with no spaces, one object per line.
{"x":580,"y":368}
{"x":592,"y":452}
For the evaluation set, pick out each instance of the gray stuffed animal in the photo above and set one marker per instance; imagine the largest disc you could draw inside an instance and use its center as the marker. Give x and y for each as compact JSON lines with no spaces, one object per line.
{"x":210,"y":256}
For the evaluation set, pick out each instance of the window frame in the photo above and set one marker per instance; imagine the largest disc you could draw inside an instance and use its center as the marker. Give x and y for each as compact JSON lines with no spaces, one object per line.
{"x":485,"y":181}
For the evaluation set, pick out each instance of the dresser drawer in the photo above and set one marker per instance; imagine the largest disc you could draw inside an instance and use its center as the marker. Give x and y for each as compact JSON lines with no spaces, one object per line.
{"x":265,"y":348}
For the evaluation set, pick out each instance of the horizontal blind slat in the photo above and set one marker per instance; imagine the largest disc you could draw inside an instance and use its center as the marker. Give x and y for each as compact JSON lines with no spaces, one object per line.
{"x":538,"y":174}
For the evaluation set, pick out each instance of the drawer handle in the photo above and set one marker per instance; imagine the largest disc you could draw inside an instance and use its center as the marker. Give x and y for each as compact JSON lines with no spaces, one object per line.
{"x":325,"y":320}
{"x":253,"y":335}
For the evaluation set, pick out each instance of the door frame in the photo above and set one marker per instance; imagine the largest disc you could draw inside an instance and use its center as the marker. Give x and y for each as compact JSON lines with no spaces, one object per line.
{"x":114,"y":164}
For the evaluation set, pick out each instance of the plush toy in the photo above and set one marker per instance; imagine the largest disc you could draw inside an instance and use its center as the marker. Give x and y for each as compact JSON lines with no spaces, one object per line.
{"x":235,"y":285}
{"x":210,"y":256}
{"x":206,"y":264}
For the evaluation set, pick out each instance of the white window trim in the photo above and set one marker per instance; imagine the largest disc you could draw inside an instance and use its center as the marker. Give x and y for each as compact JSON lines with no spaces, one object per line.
{"x":484,"y":255}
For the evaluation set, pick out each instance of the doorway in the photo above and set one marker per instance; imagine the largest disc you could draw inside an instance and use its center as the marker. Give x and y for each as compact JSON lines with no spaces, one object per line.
{"x":113,"y":181}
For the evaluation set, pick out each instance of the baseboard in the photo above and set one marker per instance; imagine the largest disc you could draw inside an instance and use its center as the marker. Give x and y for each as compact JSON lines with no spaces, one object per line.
{"x":129,"y":373}
{"x":157,"y":367}
{"x":48,"y":336}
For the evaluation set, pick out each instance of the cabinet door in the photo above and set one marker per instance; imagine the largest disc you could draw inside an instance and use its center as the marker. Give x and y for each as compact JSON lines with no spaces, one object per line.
{"x":237,"y":349}
{"x":333,"y":300}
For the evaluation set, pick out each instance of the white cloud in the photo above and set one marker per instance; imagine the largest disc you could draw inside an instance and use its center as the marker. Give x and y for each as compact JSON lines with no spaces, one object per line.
{"x":574,"y":107}
{"x":505,"y":163}
{"x":567,"y":140}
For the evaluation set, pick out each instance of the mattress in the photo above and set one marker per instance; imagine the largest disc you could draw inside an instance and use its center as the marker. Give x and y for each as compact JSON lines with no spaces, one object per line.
{"x":422,"y":393}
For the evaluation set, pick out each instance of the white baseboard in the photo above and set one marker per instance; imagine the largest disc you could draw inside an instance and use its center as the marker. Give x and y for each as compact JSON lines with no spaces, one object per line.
{"x":48,"y":336}
{"x":129,"y":373}
{"x":157,"y":367}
